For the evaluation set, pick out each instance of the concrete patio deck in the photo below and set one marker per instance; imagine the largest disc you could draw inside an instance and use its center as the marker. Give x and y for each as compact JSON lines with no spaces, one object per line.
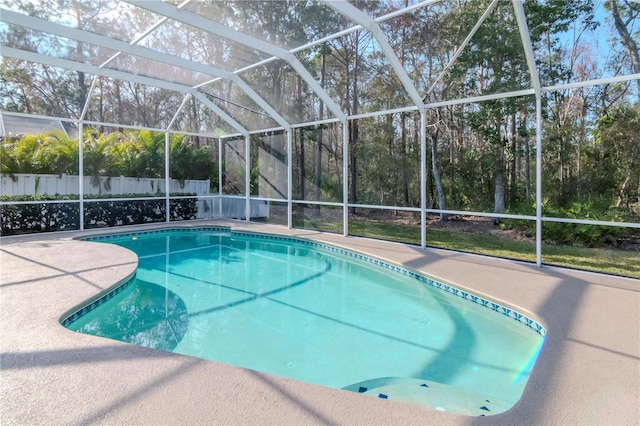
{"x":587,"y":373}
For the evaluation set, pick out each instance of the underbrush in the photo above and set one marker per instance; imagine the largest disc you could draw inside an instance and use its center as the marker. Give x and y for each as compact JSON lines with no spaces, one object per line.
{"x":576,"y":234}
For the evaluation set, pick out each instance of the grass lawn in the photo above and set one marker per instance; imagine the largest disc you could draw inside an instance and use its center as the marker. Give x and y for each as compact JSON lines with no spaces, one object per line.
{"x":609,"y":261}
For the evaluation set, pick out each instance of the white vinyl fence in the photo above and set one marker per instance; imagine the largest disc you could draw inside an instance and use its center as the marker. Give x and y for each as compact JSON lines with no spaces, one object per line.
{"x":32,"y":184}
{"x":231,"y":206}
{"x":210,"y":207}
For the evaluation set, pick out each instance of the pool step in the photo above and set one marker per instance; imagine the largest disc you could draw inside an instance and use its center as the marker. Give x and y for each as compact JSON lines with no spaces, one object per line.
{"x":434,"y":395}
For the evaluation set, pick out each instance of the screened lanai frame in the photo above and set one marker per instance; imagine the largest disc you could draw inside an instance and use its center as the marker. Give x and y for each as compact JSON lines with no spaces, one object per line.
{"x":361,"y":21}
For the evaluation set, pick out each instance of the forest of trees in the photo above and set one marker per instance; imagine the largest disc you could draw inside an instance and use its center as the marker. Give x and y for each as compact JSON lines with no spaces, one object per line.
{"x":480,"y":154}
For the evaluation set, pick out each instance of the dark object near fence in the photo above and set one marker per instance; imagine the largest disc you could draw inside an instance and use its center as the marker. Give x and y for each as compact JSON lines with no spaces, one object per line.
{"x":65,"y":214}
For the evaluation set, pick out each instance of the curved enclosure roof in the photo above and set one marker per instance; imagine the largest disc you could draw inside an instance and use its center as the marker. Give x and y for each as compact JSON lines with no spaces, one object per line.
{"x":234,"y":67}
{"x":11,"y":126}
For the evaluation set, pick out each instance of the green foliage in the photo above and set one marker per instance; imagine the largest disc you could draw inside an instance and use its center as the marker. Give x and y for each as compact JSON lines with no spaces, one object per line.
{"x":615,"y":158}
{"x":574,"y":234}
{"x":47,"y":216}
{"x":619,"y":262}
{"x":43,"y":217}
{"x":189,"y":162}
{"x":590,"y":145}
{"x":53,"y":153}
{"x":132,"y":153}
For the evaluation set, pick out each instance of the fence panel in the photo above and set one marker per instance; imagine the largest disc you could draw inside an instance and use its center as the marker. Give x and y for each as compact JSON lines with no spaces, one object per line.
{"x":218,"y":206}
{"x":231,"y":207}
{"x":33,"y":184}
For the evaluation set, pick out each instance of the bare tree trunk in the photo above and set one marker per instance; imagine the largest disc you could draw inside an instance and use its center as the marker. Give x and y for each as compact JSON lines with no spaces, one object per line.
{"x":222,"y":164}
{"x":353,"y":164}
{"x":403,"y":118}
{"x":302,"y":173}
{"x":353,"y":133}
{"x":428,"y":184}
{"x":436,"y":174}
{"x":622,"y":191}
{"x":626,"y":38}
{"x":527,"y":170}
{"x":498,"y":195}
{"x":101,"y":102}
{"x":513,"y":172}
{"x":320,"y":135}
{"x":82,"y":86}
{"x":455,"y":138}
{"x":120,"y":104}
{"x":405,"y":166}
{"x":195,"y":121}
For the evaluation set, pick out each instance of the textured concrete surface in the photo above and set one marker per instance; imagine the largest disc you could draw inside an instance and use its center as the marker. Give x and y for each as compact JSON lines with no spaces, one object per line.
{"x":588,"y":371}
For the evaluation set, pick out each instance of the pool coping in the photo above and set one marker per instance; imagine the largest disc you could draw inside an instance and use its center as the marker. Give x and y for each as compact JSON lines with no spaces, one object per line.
{"x":587,"y":372}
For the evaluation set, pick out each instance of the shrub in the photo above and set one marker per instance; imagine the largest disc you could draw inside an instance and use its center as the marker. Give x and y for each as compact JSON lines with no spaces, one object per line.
{"x":50,"y":216}
{"x":41,"y":217}
{"x":575,"y":234}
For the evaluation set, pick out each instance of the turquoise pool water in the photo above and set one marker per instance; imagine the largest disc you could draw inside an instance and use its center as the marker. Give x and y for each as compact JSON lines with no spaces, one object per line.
{"x":319,"y":314}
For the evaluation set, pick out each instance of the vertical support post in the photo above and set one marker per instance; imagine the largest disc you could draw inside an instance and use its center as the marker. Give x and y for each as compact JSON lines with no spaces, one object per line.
{"x":247,"y":177}
{"x":423,"y":179}
{"x":167,"y":178}
{"x":290,"y":178}
{"x":81,"y":172}
{"x":538,"y":180}
{"x":220,"y":166}
{"x":523,"y":28}
{"x":167,"y":275}
{"x":345,"y":178}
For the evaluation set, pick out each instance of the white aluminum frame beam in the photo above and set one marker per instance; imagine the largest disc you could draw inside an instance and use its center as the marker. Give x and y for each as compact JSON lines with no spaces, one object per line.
{"x":423,"y":180}
{"x":120,"y":75}
{"x":167,"y":179}
{"x":596,"y":82}
{"x":525,"y":37}
{"x":289,"y":180}
{"x":106,"y":124}
{"x":353,"y":13}
{"x":215,"y":108}
{"x":68,"y":64}
{"x":80,"y":173}
{"x":175,"y":114}
{"x":139,"y":51}
{"x":342,"y":33}
{"x":247,"y":177}
{"x":87,"y":102}
{"x":535,"y":81}
{"x":466,"y":41}
{"x":212,"y":27}
{"x":345,"y":179}
{"x":481,"y":98}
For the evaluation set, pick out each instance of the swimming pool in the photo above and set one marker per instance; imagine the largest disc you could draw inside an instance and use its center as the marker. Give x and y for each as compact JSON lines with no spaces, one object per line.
{"x":317,"y":313}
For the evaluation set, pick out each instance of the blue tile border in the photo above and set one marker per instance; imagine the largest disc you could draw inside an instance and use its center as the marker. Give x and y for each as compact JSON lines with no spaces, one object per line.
{"x":99,"y":301}
{"x":463,"y":294}
{"x":103,"y":237}
{"x":508,"y":312}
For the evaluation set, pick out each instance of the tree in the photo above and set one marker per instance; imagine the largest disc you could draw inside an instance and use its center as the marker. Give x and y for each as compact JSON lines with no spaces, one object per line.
{"x":52,"y":153}
{"x":616,"y":163}
{"x":186,"y":161}
{"x":494,"y":62}
{"x":97,"y":157}
{"x":624,"y":13}
{"x":56,"y":92}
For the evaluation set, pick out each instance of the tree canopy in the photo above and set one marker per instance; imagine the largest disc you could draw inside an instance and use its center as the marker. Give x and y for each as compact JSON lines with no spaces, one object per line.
{"x":480,"y":153}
